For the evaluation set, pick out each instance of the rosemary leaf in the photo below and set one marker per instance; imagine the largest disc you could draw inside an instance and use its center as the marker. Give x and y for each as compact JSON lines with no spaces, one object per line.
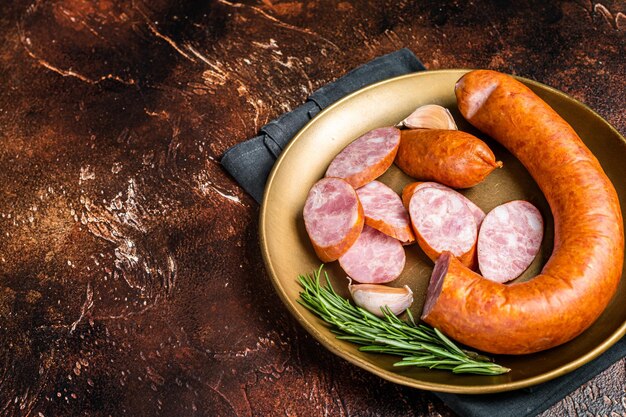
{"x":418,"y":344}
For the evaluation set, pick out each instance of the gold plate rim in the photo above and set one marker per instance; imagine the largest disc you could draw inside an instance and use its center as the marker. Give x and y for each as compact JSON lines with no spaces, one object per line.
{"x":327,"y":342}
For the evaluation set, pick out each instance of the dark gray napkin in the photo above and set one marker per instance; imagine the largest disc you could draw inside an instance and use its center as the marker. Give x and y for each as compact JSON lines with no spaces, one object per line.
{"x":534,"y":400}
{"x":250,"y":163}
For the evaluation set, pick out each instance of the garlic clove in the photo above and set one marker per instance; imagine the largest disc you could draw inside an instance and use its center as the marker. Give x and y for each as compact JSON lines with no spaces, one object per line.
{"x":430,"y":116}
{"x":372,"y":297}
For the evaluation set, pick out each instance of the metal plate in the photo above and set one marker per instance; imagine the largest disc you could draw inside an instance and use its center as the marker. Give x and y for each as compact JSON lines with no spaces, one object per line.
{"x":287,"y":251}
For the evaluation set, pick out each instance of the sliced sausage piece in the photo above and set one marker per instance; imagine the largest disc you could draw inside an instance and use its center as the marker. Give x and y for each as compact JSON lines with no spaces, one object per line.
{"x":333,"y":218}
{"x":451,"y":157}
{"x":442,"y":222}
{"x":375,"y":258}
{"x":384,"y":211}
{"x":367,"y":157}
{"x":581,"y":277}
{"x":409,"y":190}
{"x":509,"y":240}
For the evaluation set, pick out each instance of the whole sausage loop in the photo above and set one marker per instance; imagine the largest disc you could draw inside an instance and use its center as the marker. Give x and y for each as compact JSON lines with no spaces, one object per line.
{"x":581,"y":277}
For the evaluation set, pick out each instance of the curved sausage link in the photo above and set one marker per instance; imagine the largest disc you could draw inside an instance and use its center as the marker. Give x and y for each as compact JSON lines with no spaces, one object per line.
{"x":584,"y":270}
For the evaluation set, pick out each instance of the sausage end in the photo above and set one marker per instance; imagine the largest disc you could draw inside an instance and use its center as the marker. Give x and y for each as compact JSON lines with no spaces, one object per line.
{"x":436,"y":282}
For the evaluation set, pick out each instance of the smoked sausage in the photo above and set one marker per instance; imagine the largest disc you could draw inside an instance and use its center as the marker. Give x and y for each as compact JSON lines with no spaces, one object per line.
{"x":451,"y":157}
{"x":581,"y":276}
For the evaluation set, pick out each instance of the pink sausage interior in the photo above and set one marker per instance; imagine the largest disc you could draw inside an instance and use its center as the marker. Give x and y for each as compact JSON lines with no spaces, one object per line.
{"x":330,"y":211}
{"x":364,"y":152}
{"x":382,"y":203}
{"x":436,"y":282}
{"x":375,"y":258}
{"x":443,"y":220}
{"x":509,"y":240}
{"x":477,"y":212}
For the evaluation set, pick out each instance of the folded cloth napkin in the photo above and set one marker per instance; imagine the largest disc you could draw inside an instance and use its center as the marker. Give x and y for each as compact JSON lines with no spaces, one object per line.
{"x":251,"y":161}
{"x":534,"y":400}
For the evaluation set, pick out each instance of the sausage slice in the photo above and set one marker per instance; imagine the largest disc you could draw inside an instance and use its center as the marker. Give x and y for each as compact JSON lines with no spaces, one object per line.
{"x":384,"y":211}
{"x":375,"y":258}
{"x":367,"y":157}
{"x":333,"y":218}
{"x":509,"y":240}
{"x":443,"y":222}
{"x":409,"y":190}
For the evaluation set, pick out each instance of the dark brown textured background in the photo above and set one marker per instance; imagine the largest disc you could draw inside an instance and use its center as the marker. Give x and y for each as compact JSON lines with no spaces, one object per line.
{"x":131,"y":281}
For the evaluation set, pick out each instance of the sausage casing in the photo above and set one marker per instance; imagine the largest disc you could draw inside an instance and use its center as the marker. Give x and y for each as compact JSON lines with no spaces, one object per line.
{"x":450,"y":157}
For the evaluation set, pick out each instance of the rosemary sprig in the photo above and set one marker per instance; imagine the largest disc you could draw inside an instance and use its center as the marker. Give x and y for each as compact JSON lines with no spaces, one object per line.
{"x":419,"y":345}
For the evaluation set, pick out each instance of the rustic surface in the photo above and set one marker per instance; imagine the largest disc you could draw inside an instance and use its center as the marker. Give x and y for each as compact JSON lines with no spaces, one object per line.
{"x":131,"y":281}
